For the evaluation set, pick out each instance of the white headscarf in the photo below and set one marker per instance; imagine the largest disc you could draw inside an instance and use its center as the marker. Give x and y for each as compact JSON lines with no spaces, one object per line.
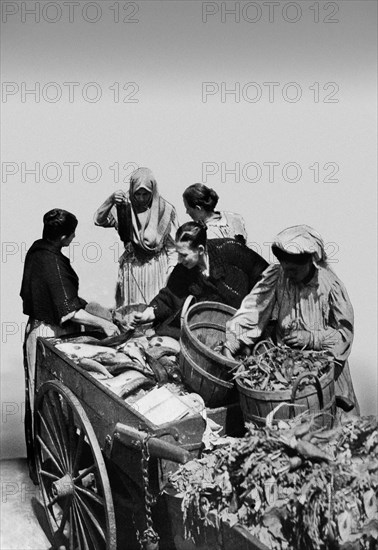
{"x":150,"y":233}
{"x":300,"y":239}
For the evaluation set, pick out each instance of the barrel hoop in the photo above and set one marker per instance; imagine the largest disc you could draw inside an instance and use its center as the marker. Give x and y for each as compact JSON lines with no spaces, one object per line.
{"x":248,"y":417}
{"x":197,"y":368}
{"x":207,"y":352}
{"x":206,"y":324}
{"x":186,"y":329}
{"x":284,"y":395}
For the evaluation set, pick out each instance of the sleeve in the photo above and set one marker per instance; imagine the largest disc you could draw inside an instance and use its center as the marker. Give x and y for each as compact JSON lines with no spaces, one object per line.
{"x":249,"y":322}
{"x":238,"y":226}
{"x":106,"y":215}
{"x":255,"y":265}
{"x":63,"y":289}
{"x":170,"y":242}
{"x":247,"y":260}
{"x":171,"y":298}
{"x":337,"y":337}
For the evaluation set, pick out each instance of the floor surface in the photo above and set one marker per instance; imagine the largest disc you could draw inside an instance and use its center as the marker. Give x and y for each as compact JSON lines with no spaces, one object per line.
{"x":21,"y":514}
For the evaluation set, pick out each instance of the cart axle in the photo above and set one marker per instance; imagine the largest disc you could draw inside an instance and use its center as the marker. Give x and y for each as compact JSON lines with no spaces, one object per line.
{"x":63,"y":487}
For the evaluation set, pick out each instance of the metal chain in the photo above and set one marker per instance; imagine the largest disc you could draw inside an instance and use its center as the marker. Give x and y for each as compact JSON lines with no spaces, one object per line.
{"x":330,"y":491}
{"x":150,"y":538}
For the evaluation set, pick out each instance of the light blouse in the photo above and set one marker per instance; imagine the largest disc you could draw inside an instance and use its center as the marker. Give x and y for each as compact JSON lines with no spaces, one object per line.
{"x":321,"y":307}
{"x":225,"y":225}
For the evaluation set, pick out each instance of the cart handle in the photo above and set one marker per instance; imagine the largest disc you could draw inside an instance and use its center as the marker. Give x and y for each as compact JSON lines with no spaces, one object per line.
{"x":157,"y":448}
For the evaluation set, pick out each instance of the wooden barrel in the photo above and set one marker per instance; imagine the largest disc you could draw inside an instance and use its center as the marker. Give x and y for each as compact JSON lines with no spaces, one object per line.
{"x":318,"y":398}
{"x":205,"y":371}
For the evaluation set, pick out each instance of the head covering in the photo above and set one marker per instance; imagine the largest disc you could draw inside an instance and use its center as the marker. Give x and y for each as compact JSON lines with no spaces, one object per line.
{"x":301,"y":239}
{"x":142,"y":178}
{"x":150,"y":230}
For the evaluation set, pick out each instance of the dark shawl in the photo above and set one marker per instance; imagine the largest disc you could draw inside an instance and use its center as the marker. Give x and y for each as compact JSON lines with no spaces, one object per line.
{"x":50,"y":286}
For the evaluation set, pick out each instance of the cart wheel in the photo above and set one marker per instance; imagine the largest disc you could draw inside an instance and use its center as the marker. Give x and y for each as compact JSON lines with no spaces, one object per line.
{"x":72,"y":473}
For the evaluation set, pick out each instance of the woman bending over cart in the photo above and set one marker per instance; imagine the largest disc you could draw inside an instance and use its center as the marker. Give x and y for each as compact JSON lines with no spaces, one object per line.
{"x":221,"y":270}
{"x":309,"y":303}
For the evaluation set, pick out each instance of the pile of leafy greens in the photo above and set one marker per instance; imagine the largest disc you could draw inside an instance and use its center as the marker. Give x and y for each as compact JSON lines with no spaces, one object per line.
{"x":277,"y":367}
{"x":291,"y":486}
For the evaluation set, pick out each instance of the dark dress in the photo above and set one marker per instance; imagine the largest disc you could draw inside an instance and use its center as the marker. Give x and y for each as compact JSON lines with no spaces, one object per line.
{"x":49,"y":292}
{"x":234,"y":270}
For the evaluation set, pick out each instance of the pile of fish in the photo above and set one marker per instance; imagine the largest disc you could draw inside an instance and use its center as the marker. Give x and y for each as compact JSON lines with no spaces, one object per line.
{"x":125,"y":364}
{"x":291,"y":487}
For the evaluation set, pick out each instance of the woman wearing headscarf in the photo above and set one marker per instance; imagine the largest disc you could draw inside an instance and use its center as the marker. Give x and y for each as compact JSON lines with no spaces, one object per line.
{"x":305,"y":298}
{"x":200,"y":202}
{"x":146,"y":224}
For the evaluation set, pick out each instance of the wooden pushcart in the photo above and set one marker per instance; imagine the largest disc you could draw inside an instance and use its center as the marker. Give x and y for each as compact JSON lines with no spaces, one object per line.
{"x":101,"y":464}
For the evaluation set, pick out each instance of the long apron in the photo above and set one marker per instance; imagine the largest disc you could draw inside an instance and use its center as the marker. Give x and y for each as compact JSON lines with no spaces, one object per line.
{"x":33,"y":330}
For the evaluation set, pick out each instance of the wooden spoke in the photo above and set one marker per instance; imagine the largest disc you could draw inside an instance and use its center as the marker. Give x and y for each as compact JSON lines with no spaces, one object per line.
{"x":48,"y":474}
{"x":85,"y":472}
{"x":53,"y":422}
{"x":66,"y":513}
{"x":88,"y":527}
{"x":90,"y":494}
{"x":67,"y":450}
{"x":57,"y":405}
{"x":78,"y":452}
{"x":53,"y":439}
{"x":83,"y":528}
{"x":90,"y":515}
{"x":53,"y":501}
{"x":48,"y":452}
{"x":73,"y":526}
{"x":71,"y":439}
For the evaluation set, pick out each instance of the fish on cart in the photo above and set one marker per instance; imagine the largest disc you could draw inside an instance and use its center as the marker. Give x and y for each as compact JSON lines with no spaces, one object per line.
{"x":127,"y":382}
{"x":135,"y":352}
{"x":89,"y":364}
{"x":78,"y":351}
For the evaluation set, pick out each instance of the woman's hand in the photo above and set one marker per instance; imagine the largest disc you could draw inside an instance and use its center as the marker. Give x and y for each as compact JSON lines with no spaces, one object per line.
{"x":110,"y":328}
{"x":244,"y":351}
{"x":226,"y":352}
{"x":140,"y":318}
{"x":119,"y":197}
{"x":298,"y":339}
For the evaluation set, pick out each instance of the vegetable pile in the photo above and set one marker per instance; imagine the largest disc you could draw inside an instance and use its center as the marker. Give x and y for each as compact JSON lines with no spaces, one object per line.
{"x":291,"y":487}
{"x":277,"y":367}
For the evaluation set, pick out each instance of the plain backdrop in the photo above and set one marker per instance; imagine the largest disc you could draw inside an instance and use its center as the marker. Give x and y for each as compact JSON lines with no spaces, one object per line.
{"x":273,"y":104}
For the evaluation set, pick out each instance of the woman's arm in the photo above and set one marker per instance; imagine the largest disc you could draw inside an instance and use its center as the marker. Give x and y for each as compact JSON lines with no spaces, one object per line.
{"x":249,"y":322}
{"x":106,"y":214}
{"x":83,"y":317}
{"x":335,"y":332}
{"x":169,"y":300}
